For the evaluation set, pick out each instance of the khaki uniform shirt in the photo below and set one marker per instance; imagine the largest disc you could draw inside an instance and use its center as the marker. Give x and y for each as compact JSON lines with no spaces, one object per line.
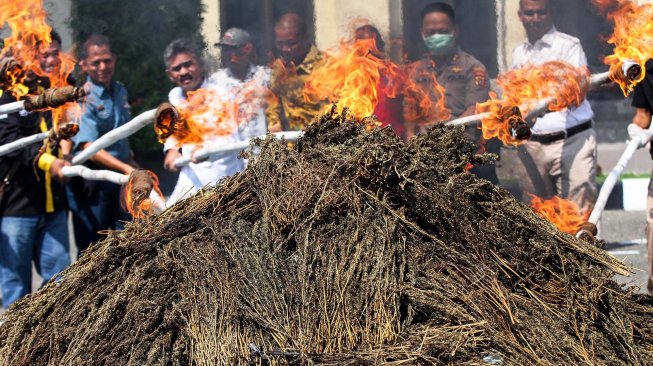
{"x":292,"y":112}
{"x":463,"y":77}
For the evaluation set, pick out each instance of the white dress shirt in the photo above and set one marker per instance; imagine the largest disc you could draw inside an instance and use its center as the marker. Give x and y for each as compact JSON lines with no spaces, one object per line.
{"x":247,"y":92}
{"x":552,"y":46}
{"x":193,"y":177}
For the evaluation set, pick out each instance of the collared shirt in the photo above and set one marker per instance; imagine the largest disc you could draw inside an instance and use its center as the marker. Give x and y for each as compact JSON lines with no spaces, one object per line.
{"x":195,"y":176}
{"x":104,"y":110}
{"x":463,"y":77}
{"x":248,"y":93}
{"x":292,"y":111}
{"x":552,"y":46}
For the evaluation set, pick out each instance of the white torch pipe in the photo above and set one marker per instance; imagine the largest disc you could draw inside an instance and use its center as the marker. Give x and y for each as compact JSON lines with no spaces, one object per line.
{"x":108,"y":176}
{"x":469,"y":120}
{"x":115,"y":135}
{"x":614,"y":175}
{"x":22,"y":143}
{"x":205,"y":152}
{"x":90,"y":174}
{"x":12,"y":107}
{"x":540,"y":107}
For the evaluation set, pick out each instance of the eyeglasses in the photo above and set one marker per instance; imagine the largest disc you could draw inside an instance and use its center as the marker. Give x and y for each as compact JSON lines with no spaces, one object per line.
{"x":540,"y":12}
{"x":182,"y":65}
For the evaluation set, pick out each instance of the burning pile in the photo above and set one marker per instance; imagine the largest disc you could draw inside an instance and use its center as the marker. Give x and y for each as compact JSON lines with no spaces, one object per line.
{"x":351,"y":248}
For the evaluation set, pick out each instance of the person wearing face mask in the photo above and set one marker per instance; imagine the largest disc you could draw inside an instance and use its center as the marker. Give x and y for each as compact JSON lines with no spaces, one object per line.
{"x":463,"y":77}
{"x":297,"y":58}
{"x":560,"y":157}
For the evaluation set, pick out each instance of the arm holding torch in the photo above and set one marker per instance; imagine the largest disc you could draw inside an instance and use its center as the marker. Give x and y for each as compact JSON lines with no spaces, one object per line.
{"x":630,"y":70}
{"x":640,"y":133}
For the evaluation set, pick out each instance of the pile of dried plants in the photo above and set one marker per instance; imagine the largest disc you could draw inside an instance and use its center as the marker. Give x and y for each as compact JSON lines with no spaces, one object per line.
{"x":349,"y":248}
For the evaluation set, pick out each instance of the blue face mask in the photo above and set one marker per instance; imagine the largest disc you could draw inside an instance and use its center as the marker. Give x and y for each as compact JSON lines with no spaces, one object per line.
{"x":439,"y":44}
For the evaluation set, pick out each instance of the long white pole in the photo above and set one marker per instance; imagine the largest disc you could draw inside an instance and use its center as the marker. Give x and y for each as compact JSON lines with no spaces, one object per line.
{"x":614,"y":175}
{"x":115,"y":135}
{"x":22,"y":143}
{"x":540,"y":107}
{"x":12,"y":107}
{"x":235,"y":146}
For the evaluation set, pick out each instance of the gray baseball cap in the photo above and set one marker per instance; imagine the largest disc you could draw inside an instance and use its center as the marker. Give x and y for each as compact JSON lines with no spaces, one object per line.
{"x":234,"y":37}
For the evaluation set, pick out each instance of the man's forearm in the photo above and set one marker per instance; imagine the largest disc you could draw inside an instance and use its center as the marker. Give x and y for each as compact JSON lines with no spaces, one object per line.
{"x":108,"y":161}
{"x":642,"y":118}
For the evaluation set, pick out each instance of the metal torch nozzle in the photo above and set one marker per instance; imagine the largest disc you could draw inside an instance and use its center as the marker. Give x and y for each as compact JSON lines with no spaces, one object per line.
{"x":141,"y":184}
{"x":519,"y":129}
{"x":67,"y":130}
{"x":631,"y":70}
{"x":166,"y":121}
{"x":587,"y":233}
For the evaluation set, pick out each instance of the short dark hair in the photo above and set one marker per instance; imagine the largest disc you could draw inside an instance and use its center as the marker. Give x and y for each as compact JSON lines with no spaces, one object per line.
{"x":180,"y":45}
{"x":380,"y":45}
{"x":98,"y":40}
{"x":55,"y":37}
{"x":439,"y":8}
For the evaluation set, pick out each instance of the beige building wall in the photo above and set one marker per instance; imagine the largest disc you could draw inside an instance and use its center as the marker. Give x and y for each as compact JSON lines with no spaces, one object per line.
{"x":335,"y":20}
{"x":515,"y":32}
{"x":211,"y":31}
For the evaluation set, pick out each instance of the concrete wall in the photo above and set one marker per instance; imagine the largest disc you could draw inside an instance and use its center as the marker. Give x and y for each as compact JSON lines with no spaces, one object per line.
{"x":515,"y":32}
{"x":58,"y":15}
{"x":336,"y":19}
{"x":211,"y":31}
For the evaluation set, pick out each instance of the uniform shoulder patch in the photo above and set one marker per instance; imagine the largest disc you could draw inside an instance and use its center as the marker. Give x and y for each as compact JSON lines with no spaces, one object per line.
{"x":480,"y":76}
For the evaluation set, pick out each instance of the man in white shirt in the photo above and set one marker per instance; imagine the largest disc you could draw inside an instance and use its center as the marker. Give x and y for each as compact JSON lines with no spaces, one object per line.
{"x":185,"y":68}
{"x":560,"y":157}
{"x":244,"y":82}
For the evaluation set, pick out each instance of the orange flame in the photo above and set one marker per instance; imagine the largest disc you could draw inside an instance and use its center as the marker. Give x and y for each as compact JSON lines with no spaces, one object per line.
{"x":525,"y":87}
{"x":30,"y":35}
{"x":140,"y":207}
{"x":210,"y":113}
{"x":564,"y":214}
{"x":355,"y":75}
{"x":632,"y":38}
